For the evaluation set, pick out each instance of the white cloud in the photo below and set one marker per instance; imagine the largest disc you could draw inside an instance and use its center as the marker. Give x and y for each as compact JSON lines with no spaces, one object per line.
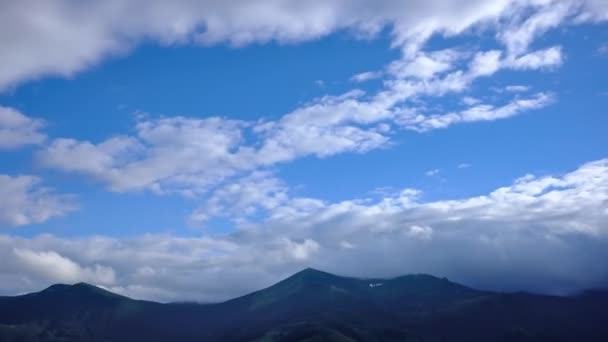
{"x":244,"y":197}
{"x":479,"y":112}
{"x":25,"y":201}
{"x":190,"y":156}
{"x":175,"y":154}
{"x":547,"y":14}
{"x":470,"y":101}
{"x":432,"y":173}
{"x":51,"y":266}
{"x":464,"y":165}
{"x":300,"y":251}
{"x":517,"y":88}
{"x":424,"y":65}
{"x":540,"y":59}
{"x":486,"y":63}
{"x":537,"y":234}
{"x":18,"y":130}
{"x":325,"y":127}
{"x":89,"y":32}
{"x":366,"y":76}
{"x":420,"y":232}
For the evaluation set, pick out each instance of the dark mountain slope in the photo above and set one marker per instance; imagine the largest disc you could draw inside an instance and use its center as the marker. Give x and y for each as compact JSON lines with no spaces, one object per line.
{"x":351,"y":305}
{"x":310,"y":306}
{"x":83,"y":312}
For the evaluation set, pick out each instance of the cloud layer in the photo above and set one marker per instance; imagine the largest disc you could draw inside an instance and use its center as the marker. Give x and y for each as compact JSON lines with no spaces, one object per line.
{"x":544,"y":234}
{"x":63,"y":37}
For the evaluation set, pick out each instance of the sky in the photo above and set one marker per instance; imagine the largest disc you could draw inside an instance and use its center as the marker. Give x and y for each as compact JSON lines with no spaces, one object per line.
{"x":200,"y":150}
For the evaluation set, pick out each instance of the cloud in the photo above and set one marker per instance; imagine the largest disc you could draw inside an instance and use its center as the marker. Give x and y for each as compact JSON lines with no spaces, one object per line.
{"x":470,"y":101}
{"x":517,"y":88}
{"x":479,"y":112}
{"x":464,"y":165}
{"x":174,"y":154}
{"x":51,"y":266}
{"x":547,"y":14}
{"x":541,"y":233}
{"x":540,"y":59}
{"x":222,"y":161}
{"x":93,"y":31}
{"x":486,"y":63}
{"x":18,"y":130}
{"x":259,"y":191}
{"x":433,"y":172}
{"x":366,"y":76}
{"x":424,"y":65}
{"x":26,"y":201}
{"x":327,"y":126}
{"x":190,"y":155}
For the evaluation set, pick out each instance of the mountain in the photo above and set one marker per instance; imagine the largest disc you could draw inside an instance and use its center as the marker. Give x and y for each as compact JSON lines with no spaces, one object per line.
{"x":311,"y":305}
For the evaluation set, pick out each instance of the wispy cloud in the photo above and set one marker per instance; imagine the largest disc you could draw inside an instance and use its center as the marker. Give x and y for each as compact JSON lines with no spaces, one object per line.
{"x":366,"y":76}
{"x":517,"y":88}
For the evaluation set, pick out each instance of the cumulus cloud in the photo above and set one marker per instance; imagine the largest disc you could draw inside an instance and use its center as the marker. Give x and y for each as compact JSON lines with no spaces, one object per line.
{"x":18,"y":130}
{"x":51,"y":266}
{"x":26,"y":201}
{"x":86,"y":33}
{"x":178,"y":154}
{"x":525,"y":236}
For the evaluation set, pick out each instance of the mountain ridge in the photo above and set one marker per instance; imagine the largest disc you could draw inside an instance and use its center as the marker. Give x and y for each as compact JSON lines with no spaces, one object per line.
{"x":309,"y":305}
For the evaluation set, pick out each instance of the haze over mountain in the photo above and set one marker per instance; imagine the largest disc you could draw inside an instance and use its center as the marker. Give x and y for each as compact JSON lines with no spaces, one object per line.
{"x":311,"y":305}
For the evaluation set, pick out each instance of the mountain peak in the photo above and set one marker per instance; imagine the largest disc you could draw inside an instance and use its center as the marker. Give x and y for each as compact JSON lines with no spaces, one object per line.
{"x":78,"y":289}
{"x":310,"y":270}
{"x":312,"y":274}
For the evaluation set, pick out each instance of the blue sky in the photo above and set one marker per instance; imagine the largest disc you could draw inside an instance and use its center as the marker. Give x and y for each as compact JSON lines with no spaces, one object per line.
{"x":252,"y":149}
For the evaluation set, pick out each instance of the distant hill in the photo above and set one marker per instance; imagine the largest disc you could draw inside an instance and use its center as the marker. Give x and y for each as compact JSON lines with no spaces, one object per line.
{"x":311,"y":305}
